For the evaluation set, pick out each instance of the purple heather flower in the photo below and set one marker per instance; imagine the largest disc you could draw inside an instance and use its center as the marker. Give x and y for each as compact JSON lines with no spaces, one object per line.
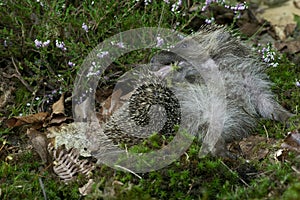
{"x":71,"y":64}
{"x":160,"y":41}
{"x":147,"y":2}
{"x":85,"y":27}
{"x":102,"y":54}
{"x":119,"y":44}
{"x":46,"y":43}
{"x":176,"y":5}
{"x":60,"y":45}
{"x":209,"y":21}
{"x":38,"y":43}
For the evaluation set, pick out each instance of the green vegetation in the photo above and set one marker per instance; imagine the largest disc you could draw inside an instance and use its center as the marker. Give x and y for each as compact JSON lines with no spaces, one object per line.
{"x":45,"y":69}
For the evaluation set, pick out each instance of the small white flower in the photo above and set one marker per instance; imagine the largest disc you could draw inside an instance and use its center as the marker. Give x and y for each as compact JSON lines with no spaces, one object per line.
{"x":60,"y":45}
{"x":160,"y":41}
{"x":28,"y":104}
{"x":38,"y":43}
{"x":102,"y":54}
{"x":209,"y":21}
{"x":71,"y":64}
{"x":46,"y":43}
{"x":121,"y":45}
{"x":37,"y":98}
{"x":85,"y":27}
{"x":147,"y":2}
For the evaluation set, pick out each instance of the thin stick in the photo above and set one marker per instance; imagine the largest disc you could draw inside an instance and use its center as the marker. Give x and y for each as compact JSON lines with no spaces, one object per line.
{"x":18,"y":75}
{"x":128,"y":170}
{"x":233,"y":173}
{"x":267,"y":133}
{"x":43,"y":188}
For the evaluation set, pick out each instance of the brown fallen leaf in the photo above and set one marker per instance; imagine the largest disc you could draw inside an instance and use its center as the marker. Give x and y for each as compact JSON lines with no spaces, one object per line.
{"x":279,"y":31}
{"x":281,"y":155}
{"x":292,"y":141}
{"x":296,"y":3}
{"x":280,"y":15}
{"x":289,"y":46}
{"x":58,"y":120}
{"x":290,"y":29}
{"x":58,"y":107}
{"x":256,"y":147}
{"x":39,"y":143}
{"x":87,"y":188}
{"x":38,"y":118}
{"x":111,"y":104}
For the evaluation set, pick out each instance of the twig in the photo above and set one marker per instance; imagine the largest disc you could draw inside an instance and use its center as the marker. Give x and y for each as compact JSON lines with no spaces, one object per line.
{"x":128,"y":170}
{"x":267,"y":133}
{"x":233,"y":173}
{"x":43,"y":188}
{"x":19,"y":76}
{"x":3,"y":144}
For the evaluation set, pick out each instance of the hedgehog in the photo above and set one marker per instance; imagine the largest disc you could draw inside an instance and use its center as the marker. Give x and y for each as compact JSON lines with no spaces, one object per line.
{"x":189,"y":95}
{"x":151,"y":101}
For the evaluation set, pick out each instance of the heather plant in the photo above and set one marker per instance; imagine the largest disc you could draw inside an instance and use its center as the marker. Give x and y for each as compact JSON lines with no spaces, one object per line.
{"x":269,"y":55}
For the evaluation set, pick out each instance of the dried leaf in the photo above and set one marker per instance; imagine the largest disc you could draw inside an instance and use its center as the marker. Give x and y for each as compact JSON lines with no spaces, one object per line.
{"x":30,"y":119}
{"x":58,"y":107}
{"x":279,"y":31}
{"x":39,"y":143}
{"x":87,"y":188}
{"x":280,"y":15}
{"x":256,"y":147}
{"x":111,"y":104}
{"x":292,"y":142}
{"x":290,"y":29}
{"x":58,"y":120}
{"x":296,"y":3}
{"x":280,"y":155}
{"x":291,"y":46}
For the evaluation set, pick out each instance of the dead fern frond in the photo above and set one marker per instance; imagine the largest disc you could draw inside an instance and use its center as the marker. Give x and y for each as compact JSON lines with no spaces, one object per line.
{"x":66,"y":163}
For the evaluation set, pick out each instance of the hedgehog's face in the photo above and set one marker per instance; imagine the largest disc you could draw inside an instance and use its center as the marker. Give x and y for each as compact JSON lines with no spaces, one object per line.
{"x":178,"y":73}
